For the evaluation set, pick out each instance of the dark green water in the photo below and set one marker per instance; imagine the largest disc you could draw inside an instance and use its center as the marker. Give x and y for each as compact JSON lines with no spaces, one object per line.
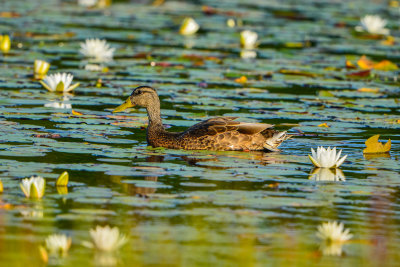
{"x":195,"y":208}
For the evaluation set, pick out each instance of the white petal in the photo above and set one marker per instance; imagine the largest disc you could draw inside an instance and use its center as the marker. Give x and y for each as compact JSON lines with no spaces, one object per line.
{"x":340,"y":162}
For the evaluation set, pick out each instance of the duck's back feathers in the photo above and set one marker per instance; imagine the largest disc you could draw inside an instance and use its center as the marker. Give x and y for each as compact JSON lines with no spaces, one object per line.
{"x":220,"y":125}
{"x":224,"y":133}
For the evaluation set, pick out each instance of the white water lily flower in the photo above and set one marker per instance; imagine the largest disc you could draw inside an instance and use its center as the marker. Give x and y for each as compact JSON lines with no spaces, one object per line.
{"x":248,"y":39}
{"x":333,"y":232}
{"x":60,"y":82}
{"x":33,"y":187}
{"x":87,"y":3}
{"x":189,"y":26}
{"x":326,"y":157}
{"x":325,"y":174}
{"x":97,"y":50}
{"x":40,"y":69}
{"x":58,"y":244}
{"x":373,"y":24}
{"x":106,"y":239}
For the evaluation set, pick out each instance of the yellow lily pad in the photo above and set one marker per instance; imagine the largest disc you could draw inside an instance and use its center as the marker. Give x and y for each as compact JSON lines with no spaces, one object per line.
{"x":373,"y":146}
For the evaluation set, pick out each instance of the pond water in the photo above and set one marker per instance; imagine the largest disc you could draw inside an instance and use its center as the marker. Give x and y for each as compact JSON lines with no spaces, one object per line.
{"x":195,"y":208}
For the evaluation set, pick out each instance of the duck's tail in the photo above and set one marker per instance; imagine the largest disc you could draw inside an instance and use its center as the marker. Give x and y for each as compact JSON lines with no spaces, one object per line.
{"x":276,"y":140}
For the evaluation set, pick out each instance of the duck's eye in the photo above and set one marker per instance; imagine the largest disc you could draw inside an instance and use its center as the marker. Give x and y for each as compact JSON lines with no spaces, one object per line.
{"x":138,"y":92}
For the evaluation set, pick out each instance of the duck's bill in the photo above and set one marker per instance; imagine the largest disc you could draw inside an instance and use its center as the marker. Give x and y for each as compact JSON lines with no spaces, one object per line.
{"x":125,"y":105}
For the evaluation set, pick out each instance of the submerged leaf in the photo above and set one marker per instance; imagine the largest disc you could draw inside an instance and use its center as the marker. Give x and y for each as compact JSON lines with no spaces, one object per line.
{"x":373,"y":146}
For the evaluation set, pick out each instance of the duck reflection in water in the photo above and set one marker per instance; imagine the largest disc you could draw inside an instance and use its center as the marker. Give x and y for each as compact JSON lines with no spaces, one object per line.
{"x":255,"y":157}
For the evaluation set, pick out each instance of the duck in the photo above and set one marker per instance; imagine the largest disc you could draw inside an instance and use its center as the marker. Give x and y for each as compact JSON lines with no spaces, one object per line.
{"x":218,"y":133}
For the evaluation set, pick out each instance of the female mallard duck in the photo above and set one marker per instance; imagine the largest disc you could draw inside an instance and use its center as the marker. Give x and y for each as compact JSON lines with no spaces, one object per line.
{"x":220,"y":133}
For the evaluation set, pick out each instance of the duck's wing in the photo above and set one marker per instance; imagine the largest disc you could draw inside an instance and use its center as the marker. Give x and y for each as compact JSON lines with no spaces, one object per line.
{"x":219,"y":125}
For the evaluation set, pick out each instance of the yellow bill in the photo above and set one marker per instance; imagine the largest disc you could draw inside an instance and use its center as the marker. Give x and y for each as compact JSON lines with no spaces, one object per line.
{"x":125,"y":105}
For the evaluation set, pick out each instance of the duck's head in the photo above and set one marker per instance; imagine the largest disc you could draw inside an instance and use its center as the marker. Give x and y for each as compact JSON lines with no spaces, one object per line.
{"x":142,"y":96}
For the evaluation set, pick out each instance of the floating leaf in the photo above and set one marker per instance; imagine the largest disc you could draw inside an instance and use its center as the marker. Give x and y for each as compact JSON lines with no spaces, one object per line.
{"x":297,"y":72}
{"x":389,"y":41}
{"x":365,"y":64}
{"x":373,"y":146}
{"x":385,"y":65}
{"x":62,"y":180}
{"x":242,"y":79}
{"x":324,"y":125}
{"x":368,"y":90}
{"x":76,"y":113}
{"x":363,"y":73}
{"x":350,"y":65}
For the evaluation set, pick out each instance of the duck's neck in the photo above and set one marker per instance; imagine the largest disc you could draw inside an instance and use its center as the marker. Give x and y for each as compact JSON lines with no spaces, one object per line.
{"x":154,"y":114}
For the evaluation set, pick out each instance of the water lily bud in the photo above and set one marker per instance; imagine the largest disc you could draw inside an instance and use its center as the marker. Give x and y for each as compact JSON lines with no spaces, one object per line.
{"x":248,"y":39}
{"x":62,"y":179}
{"x":40,"y":69}
{"x":189,"y":27}
{"x":5,"y":43}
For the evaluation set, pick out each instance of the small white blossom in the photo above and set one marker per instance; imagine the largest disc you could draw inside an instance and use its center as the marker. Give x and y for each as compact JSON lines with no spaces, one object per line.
{"x":58,"y":244}
{"x":333,"y":232}
{"x":97,"y":50}
{"x":40,"y":69}
{"x":189,"y":26}
{"x":248,"y":39}
{"x":106,"y":239}
{"x":60,"y":82}
{"x":325,"y":174}
{"x":87,"y":3}
{"x":326,"y":157}
{"x":373,"y":24}
{"x":33,"y":187}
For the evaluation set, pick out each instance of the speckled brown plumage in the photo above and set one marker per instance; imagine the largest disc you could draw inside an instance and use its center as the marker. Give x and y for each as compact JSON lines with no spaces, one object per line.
{"x":219,"y":133}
